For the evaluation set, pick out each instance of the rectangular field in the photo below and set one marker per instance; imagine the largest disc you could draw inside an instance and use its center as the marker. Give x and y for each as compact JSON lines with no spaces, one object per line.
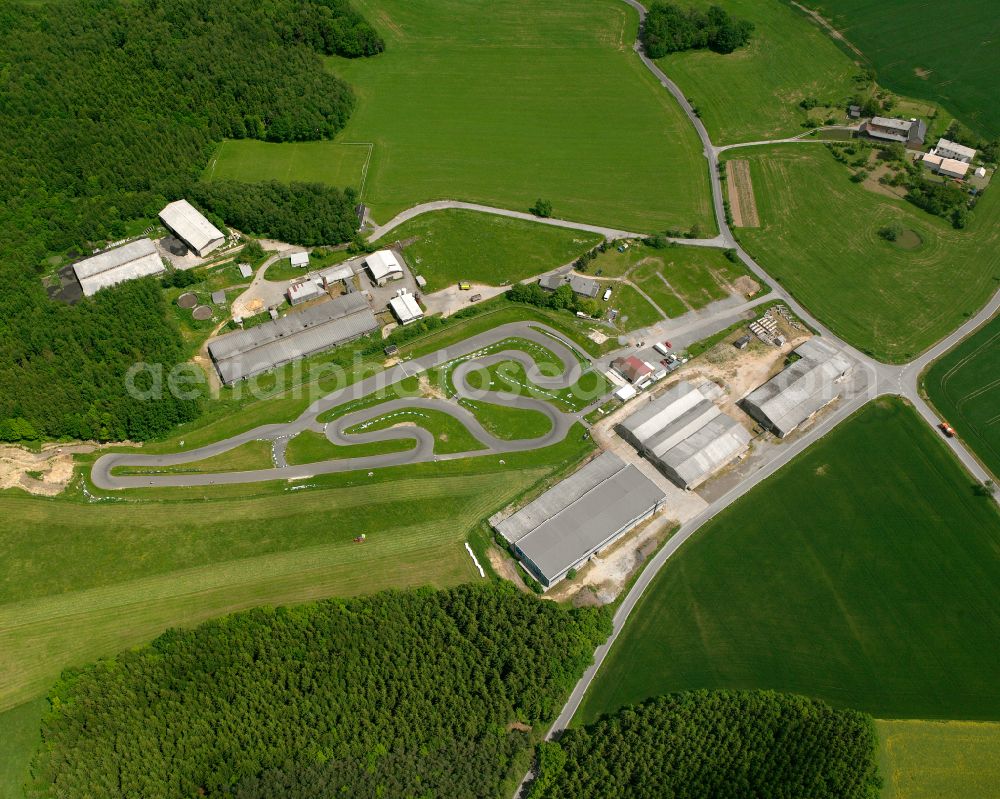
{"x":334,"y":163}
{"x":819,"y":238}
{"x":507,"y":102}
{"x":955,"y":64}
{"x":964,"y":386}
{"x":741,"y":200}
{"x":939,"y":759}
{"x":865,"y":573}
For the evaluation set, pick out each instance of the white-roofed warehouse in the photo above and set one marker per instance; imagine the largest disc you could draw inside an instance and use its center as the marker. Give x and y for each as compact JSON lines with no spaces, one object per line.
{"x":246,"y":353}
{"x":128,"y":262}
{"x":685,"y":435}
{"x":383,"y":266}
{"x":802,"y":389}
{"x":579,"y":516}
{"x":190,"y":226}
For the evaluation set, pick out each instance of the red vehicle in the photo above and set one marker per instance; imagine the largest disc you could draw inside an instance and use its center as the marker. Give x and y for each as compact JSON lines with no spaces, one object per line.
{"x":947,"y":429}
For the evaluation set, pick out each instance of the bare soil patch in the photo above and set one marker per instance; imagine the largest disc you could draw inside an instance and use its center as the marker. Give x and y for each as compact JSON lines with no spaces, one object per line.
{"x":44,"y":473}
{"x":742,"y":203}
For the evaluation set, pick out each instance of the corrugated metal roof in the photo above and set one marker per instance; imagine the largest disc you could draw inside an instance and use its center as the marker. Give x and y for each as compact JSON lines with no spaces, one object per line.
{"x":802,"y":389}
{"x":382,"y":264}
{"x":245,"y":353}
{"x":707,"y":450}
{"x":658,"y":412}
{"x":335,"y":273}
{"x":246,"y":270}
{"x":299,"y":259}
{"x":188,"y":223}
{"x":133,"y":260}
{"x":406,"y":308}
{"x":581,"y":514}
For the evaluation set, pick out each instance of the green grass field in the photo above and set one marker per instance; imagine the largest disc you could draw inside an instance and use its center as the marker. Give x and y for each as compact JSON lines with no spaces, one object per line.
{"x":520,"y":99}
{"x":19,"y":738}
{"x":456,"y":245}
{"x":450,"y":435}
{"x":80,"y":580}
{"x":312,"y":447}
{"x":510,"y":377}
{"x":252,"y":455}
{"x":754,"y":93}
{"x":939,"y":759}
{"x":634,"y":310}
{"x":865,"y":573}
{"x":335,"y":163}
{"x":819,"y":237}
{"x":508,"y":423}
{"x":964,"y":387}
{"x":955,"y":64}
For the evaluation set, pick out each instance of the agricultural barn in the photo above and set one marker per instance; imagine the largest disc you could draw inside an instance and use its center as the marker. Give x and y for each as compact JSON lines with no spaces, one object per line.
{"x":246,"y":270}
{"x":579,"y":516}
{"x":904,"y":131}
{"x":299,"y":259}
{"x":383,"y":267}
{"x":948,"y":167}
{"x":954,"y":150}
{"x":406,"y":308}
{"x":335,"y":274}
{"x":685,"y":435}
{"x":299,"y":293}
{"x":190,"y":226}
{"x":246,"y":353}
{"x":807,"y":386}
{"x":580,"y":285}
{"x":132,"y":260}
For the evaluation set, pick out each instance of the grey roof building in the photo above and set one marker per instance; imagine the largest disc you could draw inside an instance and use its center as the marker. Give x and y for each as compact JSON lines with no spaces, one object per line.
{"x":903,"y":131}
{"x":219,"y":297}
{"x":579,"y":516}
{"x":802,"y":389}
{"x":685,"y":435}
{"x":246,"y":353}
{"x":583,"y":286}
{"x":190,"y":226}
{"x":128,"y":262}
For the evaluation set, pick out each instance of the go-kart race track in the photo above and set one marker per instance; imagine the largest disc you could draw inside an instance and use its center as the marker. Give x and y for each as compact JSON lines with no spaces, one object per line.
{"x":476,"y":352}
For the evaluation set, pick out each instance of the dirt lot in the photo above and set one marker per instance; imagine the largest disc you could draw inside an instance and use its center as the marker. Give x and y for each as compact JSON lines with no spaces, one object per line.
{"x":45,"y":473}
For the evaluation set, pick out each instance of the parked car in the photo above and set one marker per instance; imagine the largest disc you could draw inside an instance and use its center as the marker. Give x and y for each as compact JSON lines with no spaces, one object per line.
{"x":607,"y":295}
{"x":464,"y":286}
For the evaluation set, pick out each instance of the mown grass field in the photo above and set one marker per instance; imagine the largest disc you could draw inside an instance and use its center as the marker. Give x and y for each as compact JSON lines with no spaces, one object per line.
{"x":312,"y":447}
{"x":19,"y":738}
{"x":819,"y":238}
{"x":634,"y":310}
{"x":335,"y":163}
{"x":520,"y":99}
{"x":754,"y":93}
{"x":508,"y":423}
{"x":865,"y":573}
{"x":450,"y":435}
{"x":79,"y":579}
{"x":956,"y":63}
{"x":939,"y":759}
{"x":455,"y":245}
{"x":964,"y":386}
{"x":252,"y":455}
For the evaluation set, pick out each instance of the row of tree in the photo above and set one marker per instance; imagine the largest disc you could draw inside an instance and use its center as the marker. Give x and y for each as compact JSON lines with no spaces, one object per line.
{"x":715,"y":743}
{"x":669,"y":28}
{"x":562,"y":299}
{"x":108,"y":109}
{"x":422,"y":693}
{"x":302,"y":213}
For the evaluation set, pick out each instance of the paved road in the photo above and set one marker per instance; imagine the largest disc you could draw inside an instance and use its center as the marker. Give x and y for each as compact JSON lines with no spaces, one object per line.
{"x":475,"y":352}
{"x":441,"y":205}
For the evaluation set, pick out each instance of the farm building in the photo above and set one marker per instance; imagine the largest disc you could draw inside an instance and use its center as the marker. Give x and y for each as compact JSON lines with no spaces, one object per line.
{"x":954,"y":151}
{"x":300,"y":259}
{"x":219,"y":297}
{"x":801,"y":390}
{"x":383,"y":267}
{"x":904,"y":131}
{"x":583,"y":514}
{"x":246,"y":353}
{"x":405,"y":308}
{"x":854,"y":111}
{"x":128,"y":262}
{"x":246,"y":270}
{"x":685,"y":435}
{"x":299,"y":293}
{"x":633,"y":369}
{"x":190,"y":226}
{"x":583,"y":286}
{"x":335,"y":274}
{"x":948,"y":167}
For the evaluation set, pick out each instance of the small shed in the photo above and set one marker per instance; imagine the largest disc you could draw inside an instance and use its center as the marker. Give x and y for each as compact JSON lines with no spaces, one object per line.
{"x":219,"y":297}
{"x":854,"y":111}
{"x":299,"y":259}
{"x":421,"y":281}
{"x":245,"y":270}
{"x":742,"y":342}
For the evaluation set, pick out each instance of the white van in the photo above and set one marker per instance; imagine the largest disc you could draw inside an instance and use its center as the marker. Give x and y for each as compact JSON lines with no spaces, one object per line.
{"x":607,"y":295}
{"x":661,"y":348}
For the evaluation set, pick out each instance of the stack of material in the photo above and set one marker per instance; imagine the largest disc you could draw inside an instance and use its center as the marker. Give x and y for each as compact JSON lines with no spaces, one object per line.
{"x":685,"y":435}
{"x":246,"y":353}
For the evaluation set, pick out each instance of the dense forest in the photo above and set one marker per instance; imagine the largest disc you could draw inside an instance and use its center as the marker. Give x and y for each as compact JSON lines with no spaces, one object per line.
{"x":302,"y":213}
{"x":414,"y":694}
{"x":715,"y":743}
{"x":671,"y":29}
{"x":108,"y":109}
